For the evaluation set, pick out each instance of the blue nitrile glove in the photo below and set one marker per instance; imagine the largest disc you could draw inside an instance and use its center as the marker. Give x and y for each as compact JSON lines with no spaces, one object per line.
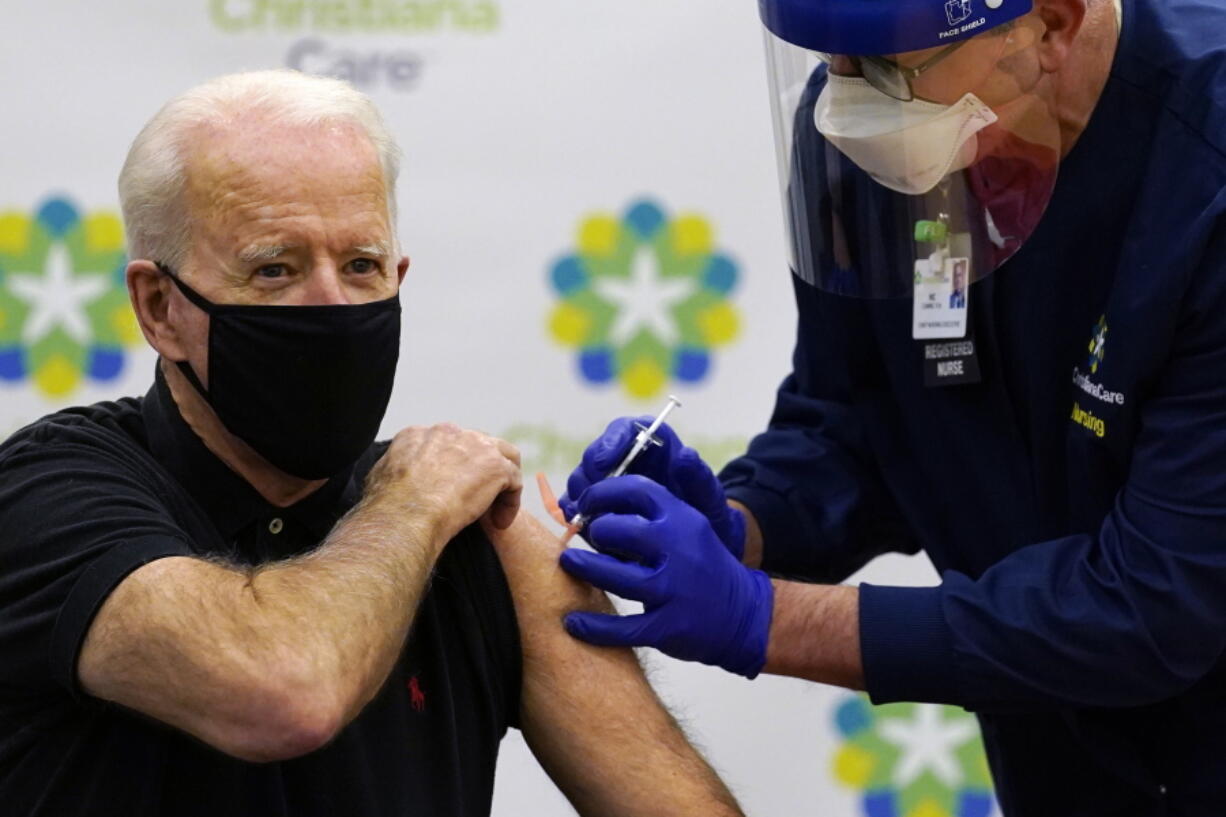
{"x":700,"y":603}
{"x":675,"y":466}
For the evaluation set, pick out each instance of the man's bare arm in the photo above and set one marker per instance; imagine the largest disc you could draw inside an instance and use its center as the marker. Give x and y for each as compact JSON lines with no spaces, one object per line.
{"x":587,"y":712}
{"x":269,"y":663}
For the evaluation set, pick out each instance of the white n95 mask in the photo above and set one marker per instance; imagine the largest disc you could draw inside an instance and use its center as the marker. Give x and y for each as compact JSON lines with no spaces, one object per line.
{"x":905,"y":146}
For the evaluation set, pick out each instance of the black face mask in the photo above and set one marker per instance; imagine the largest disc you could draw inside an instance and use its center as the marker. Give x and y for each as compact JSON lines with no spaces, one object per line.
{"x":305,"y":386}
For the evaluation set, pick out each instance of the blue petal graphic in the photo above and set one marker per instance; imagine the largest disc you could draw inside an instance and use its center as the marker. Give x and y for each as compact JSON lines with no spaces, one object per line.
{"x":853,"y":717}
{"x":58,"y":217}
{"x":568,"y":275}
{"x":596,"y":364}
{"x":691,"y":364}
{"x":104,"y":364}
{"x":720,"y":275}
{"x":12,"y":363}
{"x":880,"y":804}
{"x":645,"y":218}
{"x":974,"y":804}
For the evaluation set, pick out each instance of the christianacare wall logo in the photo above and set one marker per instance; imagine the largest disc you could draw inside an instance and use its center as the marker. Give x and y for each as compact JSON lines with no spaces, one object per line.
{"x":913,"y":760}
{"x":644,"y":299}
{"x":356,"y":16}
{"x":352,"y":55}
{"x":64,"y":312}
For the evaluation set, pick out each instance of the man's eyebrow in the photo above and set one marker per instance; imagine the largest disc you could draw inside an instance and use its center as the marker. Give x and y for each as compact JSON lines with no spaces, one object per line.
{"x":267,"y":252}
{"x":262,"y":252}
{"x":379,"y":249}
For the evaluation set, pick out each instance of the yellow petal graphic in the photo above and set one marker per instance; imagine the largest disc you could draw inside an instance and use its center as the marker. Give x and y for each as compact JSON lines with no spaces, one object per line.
{"x":692,"y":236}
{"x":598,"y":236}
{"x":103,"y":233}
{"x":569,"y":325}
{"x":720,"y":324}
{"x":14,"y":233}
{"x":57,"y":377}
{"x":853,"y":766}
{"x":928,"y":808}
{"x":644,"y":378}
{"x":123,"y":321}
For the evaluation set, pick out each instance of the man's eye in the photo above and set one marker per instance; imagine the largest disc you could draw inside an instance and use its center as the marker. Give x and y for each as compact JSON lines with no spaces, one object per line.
{"x":363,"y":266}
{"x":271,"y":271}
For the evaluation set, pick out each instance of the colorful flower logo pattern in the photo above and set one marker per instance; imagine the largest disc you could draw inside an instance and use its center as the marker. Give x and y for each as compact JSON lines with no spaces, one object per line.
{"x":64,"y":311}
{"x":913,"y":760}
{"x":644,"y":299}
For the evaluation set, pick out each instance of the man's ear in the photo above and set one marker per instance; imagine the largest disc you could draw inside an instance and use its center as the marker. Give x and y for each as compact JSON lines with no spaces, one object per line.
{"x":402,"y":269}
{"x":1062,"y":20}
{"x":149,"y":289}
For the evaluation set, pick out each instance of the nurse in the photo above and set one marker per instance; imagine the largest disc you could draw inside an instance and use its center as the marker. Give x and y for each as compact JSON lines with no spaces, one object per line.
{"x":1054,"y":437}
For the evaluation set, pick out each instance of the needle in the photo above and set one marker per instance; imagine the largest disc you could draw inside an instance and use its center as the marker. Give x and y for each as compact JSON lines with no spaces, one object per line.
{"x":645,"y":437}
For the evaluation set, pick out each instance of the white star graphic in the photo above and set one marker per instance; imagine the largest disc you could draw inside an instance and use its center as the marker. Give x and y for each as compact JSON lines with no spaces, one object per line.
{"x":927,"y":742}
{"x":643,"y":300}
{"x":57,"y":297}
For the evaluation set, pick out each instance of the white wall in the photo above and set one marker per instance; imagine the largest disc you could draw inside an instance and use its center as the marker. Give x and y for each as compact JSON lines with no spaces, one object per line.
{"x":519,"y":120}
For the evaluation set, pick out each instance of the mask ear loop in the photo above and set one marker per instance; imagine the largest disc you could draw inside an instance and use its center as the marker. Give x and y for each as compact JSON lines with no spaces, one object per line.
{"x":205,"y":306}
{"x":201,"y":302}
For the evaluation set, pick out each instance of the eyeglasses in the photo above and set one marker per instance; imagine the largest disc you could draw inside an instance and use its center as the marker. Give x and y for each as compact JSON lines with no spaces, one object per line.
{"x":889,"y":77}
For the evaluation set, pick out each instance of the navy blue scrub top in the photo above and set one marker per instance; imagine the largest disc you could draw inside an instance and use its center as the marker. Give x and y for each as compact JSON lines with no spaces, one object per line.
{"x":1074,"y":500}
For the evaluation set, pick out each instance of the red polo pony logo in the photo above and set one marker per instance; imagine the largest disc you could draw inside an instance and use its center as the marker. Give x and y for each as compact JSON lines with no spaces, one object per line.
{"x":416,"y":696}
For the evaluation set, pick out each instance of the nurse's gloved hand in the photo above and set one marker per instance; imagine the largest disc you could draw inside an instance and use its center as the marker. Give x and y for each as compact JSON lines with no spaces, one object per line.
{"x":673,"y":465}
{"x":700,"y":603}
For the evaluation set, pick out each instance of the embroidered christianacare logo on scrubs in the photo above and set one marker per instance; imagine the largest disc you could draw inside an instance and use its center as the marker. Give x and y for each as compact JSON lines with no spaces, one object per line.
{"x":644,"y":299}
{"x":1098,"y":345}
{"x":913,"y":760}
{"x":64,"y":311}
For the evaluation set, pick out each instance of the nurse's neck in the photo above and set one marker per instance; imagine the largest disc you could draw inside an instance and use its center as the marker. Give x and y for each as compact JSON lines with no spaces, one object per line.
{"x":1081,"y":80}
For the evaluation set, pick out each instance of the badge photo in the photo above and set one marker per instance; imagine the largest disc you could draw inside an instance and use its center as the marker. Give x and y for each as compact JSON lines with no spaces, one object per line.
{"x":941,"y":297}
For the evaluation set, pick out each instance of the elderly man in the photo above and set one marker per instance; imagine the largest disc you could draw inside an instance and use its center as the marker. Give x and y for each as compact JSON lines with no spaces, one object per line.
{"x":223,"y":598}
{"x":1057,"y":447}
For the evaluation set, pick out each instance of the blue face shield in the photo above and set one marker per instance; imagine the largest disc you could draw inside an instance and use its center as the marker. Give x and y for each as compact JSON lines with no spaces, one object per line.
{"x":907,"y":150}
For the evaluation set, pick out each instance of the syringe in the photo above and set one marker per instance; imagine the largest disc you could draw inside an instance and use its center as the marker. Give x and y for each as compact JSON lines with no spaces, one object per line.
{"x":644,"y":438}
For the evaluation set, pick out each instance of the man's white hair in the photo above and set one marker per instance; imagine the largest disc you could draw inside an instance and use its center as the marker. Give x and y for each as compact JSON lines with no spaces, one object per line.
{"x":153,"y":179}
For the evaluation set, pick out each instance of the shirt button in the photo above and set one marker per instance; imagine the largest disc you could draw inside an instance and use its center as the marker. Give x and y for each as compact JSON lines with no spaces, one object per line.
{"x":275,"y":526}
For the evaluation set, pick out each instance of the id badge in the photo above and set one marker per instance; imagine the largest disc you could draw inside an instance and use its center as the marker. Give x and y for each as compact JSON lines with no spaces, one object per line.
{"x":941,"y":297}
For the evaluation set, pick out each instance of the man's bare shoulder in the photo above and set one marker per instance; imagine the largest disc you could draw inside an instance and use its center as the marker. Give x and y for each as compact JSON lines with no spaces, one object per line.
{"x":529,"y":551}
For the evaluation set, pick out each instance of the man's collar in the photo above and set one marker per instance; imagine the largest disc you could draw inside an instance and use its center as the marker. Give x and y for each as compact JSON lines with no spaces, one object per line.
{"x":229,"y":500}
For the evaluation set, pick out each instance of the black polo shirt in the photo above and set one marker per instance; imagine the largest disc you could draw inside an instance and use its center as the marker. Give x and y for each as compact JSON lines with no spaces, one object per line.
{"x":90,"y":494}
